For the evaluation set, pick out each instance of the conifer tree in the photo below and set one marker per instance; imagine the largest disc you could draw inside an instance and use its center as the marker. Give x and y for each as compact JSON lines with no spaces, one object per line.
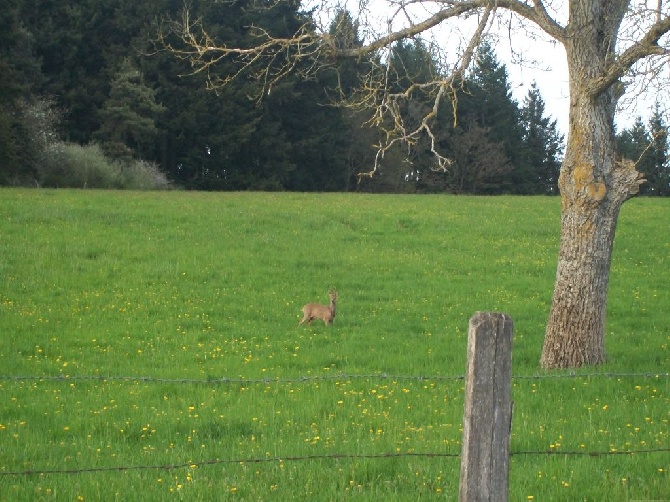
{"x":355,"y":137}
{"x":21,"y":122}
{"x":128,"y":117}
{"x":489,"y":117}
{"x":658,"y":176}
{"x":542,"y":144}
{"x":634,"y":143}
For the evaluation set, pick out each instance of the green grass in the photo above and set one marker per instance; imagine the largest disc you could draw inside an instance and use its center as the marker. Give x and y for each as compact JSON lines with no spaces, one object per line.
{"x":190,"y":288}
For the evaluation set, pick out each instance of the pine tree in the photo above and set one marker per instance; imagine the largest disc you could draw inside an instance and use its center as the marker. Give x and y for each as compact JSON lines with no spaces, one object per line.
{"x":343,"y":30}
{"x":128,"y":116}
{"x":411,"y":63}
{"x":406,"y":167}
{"x":658,"y":176}
{"x":486,"y":141}
{"x":496,"y":108}
{"x":648,"y":147}
{"x":21,"y":126}
{"x":542,"y":146}
{"x":354,"y":137}
{"x":634,"y":143}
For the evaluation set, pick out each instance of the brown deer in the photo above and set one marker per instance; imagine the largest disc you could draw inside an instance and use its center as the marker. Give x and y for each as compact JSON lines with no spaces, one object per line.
{"x":313,"y":311}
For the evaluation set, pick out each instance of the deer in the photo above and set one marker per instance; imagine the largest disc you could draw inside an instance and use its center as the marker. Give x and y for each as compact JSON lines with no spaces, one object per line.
{"x":326,"y":313}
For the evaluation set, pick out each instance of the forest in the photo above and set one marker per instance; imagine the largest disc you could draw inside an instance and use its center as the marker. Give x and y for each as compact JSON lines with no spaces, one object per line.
{"x":90,"y":97}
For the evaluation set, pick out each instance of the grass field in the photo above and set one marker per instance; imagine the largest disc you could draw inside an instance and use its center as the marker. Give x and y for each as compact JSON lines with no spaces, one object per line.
{"x":150,"y":347}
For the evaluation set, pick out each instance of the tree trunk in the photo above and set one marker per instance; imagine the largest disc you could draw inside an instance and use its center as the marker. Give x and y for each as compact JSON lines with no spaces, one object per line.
{"x":594,"y":184}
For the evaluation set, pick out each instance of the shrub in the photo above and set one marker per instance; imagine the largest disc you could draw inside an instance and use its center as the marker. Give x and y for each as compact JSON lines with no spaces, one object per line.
{"x":143,"y":175}
{"x":68,"y":165}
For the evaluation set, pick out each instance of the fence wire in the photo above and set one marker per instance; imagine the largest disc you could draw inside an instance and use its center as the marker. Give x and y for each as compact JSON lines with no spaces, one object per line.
{"x":331,"y":456}
{"x":312,"y":378}
{"x":304,"y":379}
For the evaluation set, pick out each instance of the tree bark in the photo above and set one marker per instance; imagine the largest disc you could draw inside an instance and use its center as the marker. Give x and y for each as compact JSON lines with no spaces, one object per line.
{"x":594,"y":184}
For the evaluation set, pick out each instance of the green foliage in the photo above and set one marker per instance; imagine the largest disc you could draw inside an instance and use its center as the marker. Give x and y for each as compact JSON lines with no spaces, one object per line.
{"x":479,"y":164}
{"x":28,"y":131}
{"x":80,"y":44}
{"x":74,"y":166}
{"x":495,"y":146}
{"x":633,"y":143}
{"x":19,"y":68}
{"x":99,"y":62}
{"x":540,"y":162}
{"x":19,"y":74}
{"x":66,"y":165}
{"x":492,"y":108}
{"x":353,"y":136}
{"x":658,"y":176}
{"x":411,"y":63}
{"x":96,"y":61}
{"x":344,"y":30}
{"x":143,"y":175}
{"x":479,"y":135}
{"x":291,"y":139}
{"x":16,"y":153}
{"x":202,"y":286}
{"x":128,"y":116}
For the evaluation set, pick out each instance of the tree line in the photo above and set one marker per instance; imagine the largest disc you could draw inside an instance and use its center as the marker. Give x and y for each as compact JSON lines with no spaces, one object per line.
{"x":88,"y":97}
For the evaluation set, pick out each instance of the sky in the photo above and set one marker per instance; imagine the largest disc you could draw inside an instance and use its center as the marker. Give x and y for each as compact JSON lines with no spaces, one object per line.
{"x":550,"y":73}
{"x":552,"y":80}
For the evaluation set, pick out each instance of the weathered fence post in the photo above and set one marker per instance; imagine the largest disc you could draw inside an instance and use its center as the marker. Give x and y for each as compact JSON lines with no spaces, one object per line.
{"x":487,"y":415}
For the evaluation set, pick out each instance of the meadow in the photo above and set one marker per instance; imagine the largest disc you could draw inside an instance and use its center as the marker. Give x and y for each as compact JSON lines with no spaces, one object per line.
{"x":150,"y":347}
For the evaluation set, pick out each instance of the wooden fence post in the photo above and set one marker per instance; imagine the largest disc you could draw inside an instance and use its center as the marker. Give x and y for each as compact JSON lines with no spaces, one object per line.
{"x":487,"y":415}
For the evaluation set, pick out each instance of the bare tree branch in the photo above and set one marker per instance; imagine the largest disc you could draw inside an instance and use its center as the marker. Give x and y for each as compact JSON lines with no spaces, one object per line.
{"x":645,"y":47}
{"x":659,"y":9}
{"x":271,"y":59}
{"x":455,"y":10}
{"x":268,"y":61}
{"x":538,"y":14}
{"x":389,"y":107}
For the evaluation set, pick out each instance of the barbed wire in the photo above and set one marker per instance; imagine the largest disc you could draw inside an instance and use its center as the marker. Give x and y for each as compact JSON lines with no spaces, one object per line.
{"x":263,"y":460}
{"x":227,"y":380}
{"x":647,"y":374}
{"x":589,"y":453}
{"x":311,"y":378}
{"x":331,"y":456}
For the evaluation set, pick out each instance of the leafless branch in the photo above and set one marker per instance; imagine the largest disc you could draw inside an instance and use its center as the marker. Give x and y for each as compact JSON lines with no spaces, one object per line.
{"x":268,"y":61}
{"x":389,"y":108}
{"x":645,"y":47}
{"x":268,"y":58}
{"x":538,"y":14}
{"x":455,"y":9}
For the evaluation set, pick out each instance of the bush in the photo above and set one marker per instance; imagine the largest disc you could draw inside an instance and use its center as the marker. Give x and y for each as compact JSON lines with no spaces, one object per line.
{"x":32,"y":154}
{"x":68,"y":165}
{"x":143,"y":175}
